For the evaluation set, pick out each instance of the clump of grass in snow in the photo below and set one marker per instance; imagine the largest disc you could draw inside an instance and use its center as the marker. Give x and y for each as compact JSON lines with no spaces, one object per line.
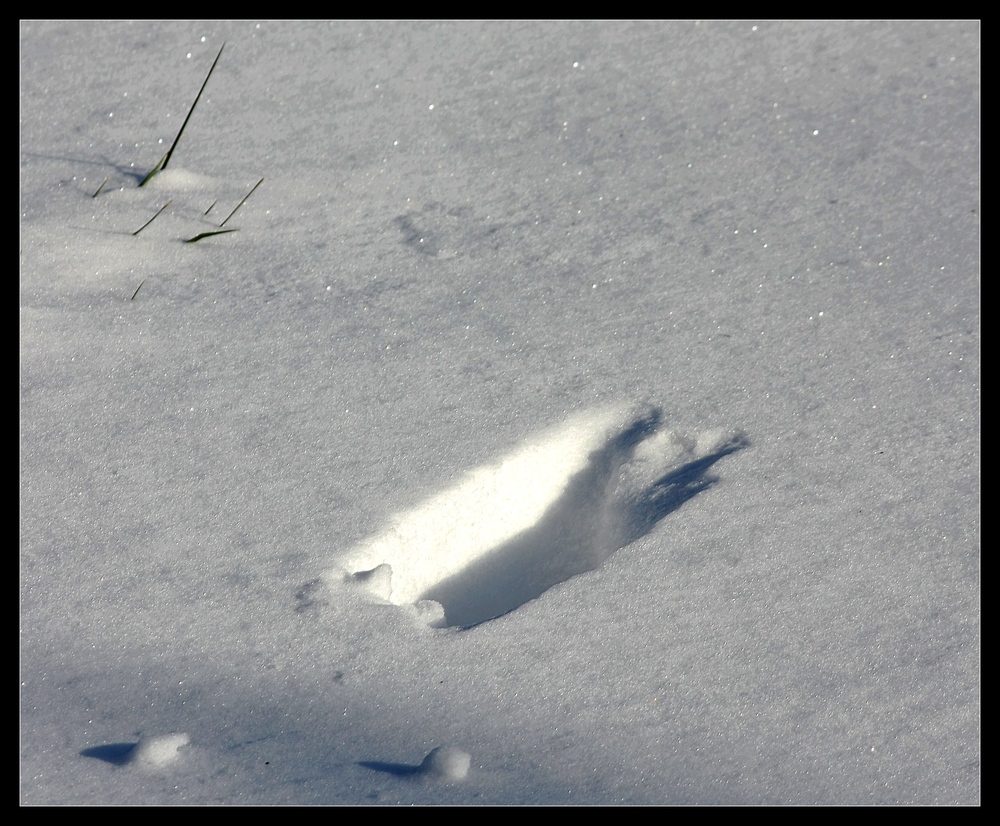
{"x":166,"y":158}
{"x":163,"y":165}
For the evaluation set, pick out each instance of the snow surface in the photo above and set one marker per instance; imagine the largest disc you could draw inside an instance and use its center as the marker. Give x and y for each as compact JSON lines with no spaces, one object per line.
{"x":659,"y":340}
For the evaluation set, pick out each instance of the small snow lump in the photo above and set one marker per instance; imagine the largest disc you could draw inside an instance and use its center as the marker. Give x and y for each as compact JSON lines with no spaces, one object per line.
{"x":447,"y":764}
{"x":158,"y":751}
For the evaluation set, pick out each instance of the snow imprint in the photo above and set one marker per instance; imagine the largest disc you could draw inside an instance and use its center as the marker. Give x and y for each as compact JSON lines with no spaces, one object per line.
{"x":556,"y":507}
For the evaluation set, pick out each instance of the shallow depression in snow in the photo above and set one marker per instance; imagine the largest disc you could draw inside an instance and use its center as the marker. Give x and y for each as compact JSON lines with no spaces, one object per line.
{"x":555,"y":507}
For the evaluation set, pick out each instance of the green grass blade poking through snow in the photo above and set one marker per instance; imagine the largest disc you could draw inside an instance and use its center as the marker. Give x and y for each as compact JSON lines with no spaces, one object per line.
{"x":154,"y":217}
{"x":166,"y":158}
{"x":153,"y":171}
{"x":251,"y":192}
{"x":201,"y":235}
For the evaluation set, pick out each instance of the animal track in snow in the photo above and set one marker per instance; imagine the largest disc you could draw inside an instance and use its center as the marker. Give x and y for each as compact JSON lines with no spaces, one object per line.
{"x":556,"y":507}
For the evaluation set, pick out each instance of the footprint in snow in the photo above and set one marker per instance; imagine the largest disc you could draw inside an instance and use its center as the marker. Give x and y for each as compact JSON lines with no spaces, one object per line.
{"x":555,"y":507}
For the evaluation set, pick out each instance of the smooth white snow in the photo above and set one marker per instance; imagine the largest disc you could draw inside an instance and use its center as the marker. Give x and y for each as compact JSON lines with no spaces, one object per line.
{"x":408,"y":378}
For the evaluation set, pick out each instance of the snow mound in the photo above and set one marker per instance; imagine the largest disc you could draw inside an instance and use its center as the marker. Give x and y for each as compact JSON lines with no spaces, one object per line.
{"x":430,"y":613}
{"x":377,"y":581}
{"x":446,"y":764}
{"x":158,"y":751}
{"x":180,"y":180}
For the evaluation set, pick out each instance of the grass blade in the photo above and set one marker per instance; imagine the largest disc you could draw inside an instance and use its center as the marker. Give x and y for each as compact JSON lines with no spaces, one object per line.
{"x":154,"y":217}
{"x":231,"y":214}
{"x":137,"y":289}
{"x":99,"y":188}
{"x":166,"y":158}
{"x":209,"y":235}
{"x":153,"y":171}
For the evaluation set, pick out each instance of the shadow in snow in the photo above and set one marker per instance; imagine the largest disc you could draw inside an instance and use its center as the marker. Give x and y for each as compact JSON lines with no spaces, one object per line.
{"x":117,"y":754}
{"x":641,"y":513}
{"x":395,"y":769}
{"x":591,"y":520}
{"x":440,"y":231}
